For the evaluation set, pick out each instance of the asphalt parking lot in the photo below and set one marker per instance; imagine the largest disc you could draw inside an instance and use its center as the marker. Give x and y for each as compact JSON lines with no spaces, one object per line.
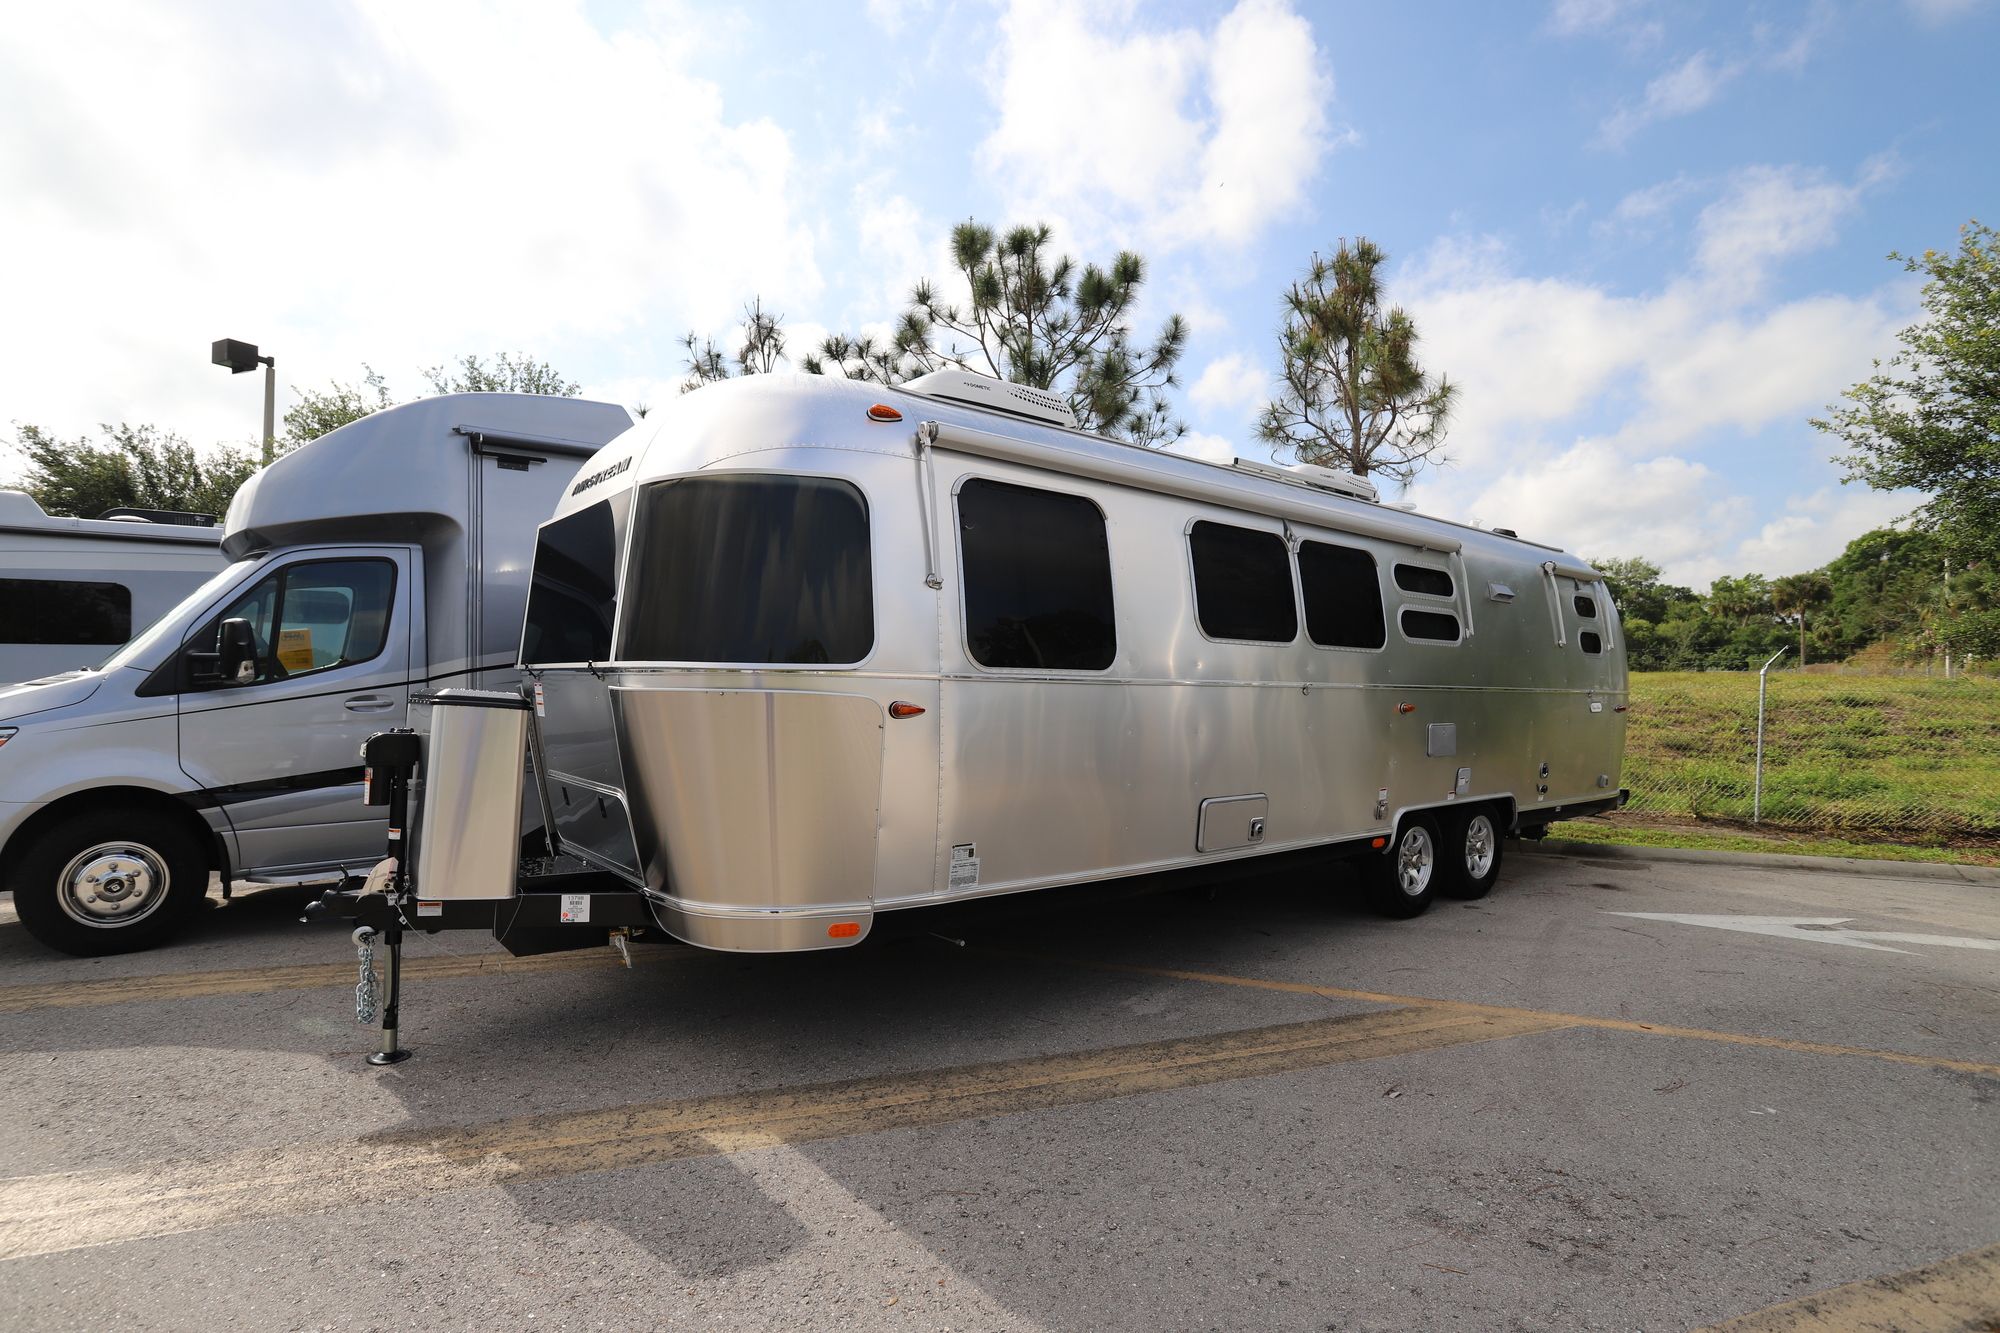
{"x":1576,"y":1104}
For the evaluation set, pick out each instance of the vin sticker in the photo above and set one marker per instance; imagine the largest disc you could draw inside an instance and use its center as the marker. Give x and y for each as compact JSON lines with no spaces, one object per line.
{"x":964,"y":866}
{"x":576,"y":907}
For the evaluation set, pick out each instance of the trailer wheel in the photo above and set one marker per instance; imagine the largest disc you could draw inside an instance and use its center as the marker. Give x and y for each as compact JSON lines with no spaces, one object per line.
{"x":109,"y":881}
{"x":1403,"y":883}
{"x":1472,"y":855}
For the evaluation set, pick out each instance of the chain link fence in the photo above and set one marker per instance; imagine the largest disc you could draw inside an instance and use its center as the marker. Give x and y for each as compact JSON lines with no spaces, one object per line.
{"x":1894,"y":758}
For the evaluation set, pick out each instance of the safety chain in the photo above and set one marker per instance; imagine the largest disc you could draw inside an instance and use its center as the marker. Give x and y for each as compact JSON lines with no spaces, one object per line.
{"x":364,"y":990}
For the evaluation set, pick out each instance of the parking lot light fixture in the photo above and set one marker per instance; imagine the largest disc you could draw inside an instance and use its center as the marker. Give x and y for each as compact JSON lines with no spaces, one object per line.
{"x":241,"y":356}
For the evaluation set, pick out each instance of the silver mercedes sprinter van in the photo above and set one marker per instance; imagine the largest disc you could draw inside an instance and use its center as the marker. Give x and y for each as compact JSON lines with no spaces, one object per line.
{"x":385,"y":559}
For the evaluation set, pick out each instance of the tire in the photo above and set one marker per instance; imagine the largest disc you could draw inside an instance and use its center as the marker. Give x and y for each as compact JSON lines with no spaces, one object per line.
{"x":1404,"y":883}
{"x":1472,"y":846}
{"x":109,"y":881}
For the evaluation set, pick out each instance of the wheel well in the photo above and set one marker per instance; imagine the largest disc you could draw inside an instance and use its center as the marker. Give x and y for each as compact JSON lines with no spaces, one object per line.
{"x":122,"y":798}
{"x":1502,"y":808}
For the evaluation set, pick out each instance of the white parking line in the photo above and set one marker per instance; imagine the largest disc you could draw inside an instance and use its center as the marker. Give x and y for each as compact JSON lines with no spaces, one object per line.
{"x":1817,"y":930}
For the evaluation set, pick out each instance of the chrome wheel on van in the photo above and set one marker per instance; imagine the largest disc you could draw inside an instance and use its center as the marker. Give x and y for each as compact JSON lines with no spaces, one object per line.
{"x":113,"y":884}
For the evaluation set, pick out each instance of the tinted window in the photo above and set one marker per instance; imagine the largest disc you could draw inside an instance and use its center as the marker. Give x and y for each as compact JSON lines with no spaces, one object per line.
{"x":750,"y":569}
{"x":1343,"y":596}
{"x":1589,"y":642}
{"x":1242,"y":584}
{"x":575,"y":591}
{"x":1586,"y":607}
{"x":312,"y":616}
{"x":47,"y":611}
{"x":1430,"y":625}
{"x":1037,"y":579}
{"x":1424,"y":579}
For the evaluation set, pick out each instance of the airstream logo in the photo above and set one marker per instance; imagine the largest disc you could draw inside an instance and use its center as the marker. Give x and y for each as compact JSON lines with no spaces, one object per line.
{"x":604,"y":475}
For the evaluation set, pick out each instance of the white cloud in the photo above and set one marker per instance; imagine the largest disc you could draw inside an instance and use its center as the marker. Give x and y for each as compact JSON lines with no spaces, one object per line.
{"x":389,"y":183}
{"x":1772,"y":213}
{"x":1208,"y":448}
{"x":1231,"y":383}
{"x":1179,"y":135}
{"x":1570,"y":17}
{"x":1682,"y":90}
{"x":891,"y":15}
{"x":1817,"y":527}
{"x":1942,"y":11}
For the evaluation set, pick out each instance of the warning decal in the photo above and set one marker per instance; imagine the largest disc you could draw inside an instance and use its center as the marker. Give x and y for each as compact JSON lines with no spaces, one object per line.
{"x":295,"y":649}
{"x":964,"y":867}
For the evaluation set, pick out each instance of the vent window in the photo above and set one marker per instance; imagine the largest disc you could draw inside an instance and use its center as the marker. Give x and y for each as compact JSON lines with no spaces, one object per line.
{"x":1037,"y":573}
{"x":1589,"y":642}
{"x":750,"y":569}
{"x":1429,"y":626}
{"x":1586,"y":607}
{"x":1424,"y":579}
{"x":1343,"y":596}
{"x":1242,"y":584}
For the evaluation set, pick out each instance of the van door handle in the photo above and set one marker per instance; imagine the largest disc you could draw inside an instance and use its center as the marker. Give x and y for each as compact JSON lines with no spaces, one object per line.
{"x":369,"y":703}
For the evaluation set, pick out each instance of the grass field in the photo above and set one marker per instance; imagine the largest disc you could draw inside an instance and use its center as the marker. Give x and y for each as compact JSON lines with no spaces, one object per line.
{"x":1860,"y":759}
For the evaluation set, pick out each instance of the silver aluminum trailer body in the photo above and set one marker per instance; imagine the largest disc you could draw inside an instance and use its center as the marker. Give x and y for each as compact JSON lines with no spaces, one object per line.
{"x":933,"y":753}
{"x":73,"y":590}
{"x":385,"y":559}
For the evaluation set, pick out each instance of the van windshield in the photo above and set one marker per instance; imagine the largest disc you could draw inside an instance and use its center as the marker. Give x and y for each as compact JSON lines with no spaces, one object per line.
{"x":141,"y":650}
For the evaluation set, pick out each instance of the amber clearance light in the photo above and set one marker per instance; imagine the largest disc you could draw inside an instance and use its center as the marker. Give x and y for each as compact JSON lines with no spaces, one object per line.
{"x":843,"y":930}
{"x":884,"y":412}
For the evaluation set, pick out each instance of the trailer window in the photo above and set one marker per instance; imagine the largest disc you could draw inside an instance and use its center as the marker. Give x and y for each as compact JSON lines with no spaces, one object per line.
{"x":1434,"y":626}
{"x":1586,"y":607}
{"x":574,"y":596}
{"x":1242,"y":584}
{"x":1343,"y":596}
{"x":1424,"y":579}
{"x":745,"y":569}
{"x":1037,"y":572}
{"x":1589,"y":642}
{"x":64,"y":611}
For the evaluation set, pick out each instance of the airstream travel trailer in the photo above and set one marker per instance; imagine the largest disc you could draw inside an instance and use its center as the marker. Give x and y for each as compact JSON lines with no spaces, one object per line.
{"x":806,"y":652}
{"x":72,"y":590}
{"x":383,"y":559}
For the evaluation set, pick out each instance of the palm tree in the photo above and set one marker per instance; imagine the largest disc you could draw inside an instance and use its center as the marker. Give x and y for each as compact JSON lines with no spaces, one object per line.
{"x":1795,"y":594}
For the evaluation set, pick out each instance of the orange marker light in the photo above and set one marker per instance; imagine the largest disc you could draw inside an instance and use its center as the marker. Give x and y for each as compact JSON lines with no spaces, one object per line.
{"x":843,"y":930}
{"x":900,"y":710}
{"x":1406,"y":708}
{"x":884,"y":412}
{"x":1378,"y":843}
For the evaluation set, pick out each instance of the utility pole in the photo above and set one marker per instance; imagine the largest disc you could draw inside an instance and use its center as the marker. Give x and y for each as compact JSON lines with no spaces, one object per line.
{"x":239,"y":357}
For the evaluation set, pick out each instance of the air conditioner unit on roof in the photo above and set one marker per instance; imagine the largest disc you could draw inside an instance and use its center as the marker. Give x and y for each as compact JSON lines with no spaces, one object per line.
{"x":1315,"y":476}
{"x":970,"y":390}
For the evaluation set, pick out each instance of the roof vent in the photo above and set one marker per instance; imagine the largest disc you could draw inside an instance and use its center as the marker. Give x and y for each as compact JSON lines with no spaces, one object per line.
{"x":1319,"y":478}
{"x":970,"y":390}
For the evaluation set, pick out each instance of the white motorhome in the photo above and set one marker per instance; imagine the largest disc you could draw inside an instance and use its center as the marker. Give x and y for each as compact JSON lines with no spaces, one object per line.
{"x":72,"y":590}
{"x":385,"y":559}
{"x":807,"y":652}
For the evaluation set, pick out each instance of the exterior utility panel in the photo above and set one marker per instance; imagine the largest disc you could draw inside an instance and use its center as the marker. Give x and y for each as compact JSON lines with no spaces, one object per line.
{"x":799,"y":665}
{"x":384,"y":559}
{"x":72,"y":590}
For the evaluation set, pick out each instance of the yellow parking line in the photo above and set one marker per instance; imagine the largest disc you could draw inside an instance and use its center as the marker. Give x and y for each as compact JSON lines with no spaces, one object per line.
{"x":71,"y":1210}
{"x":1567,"y":1020}
{"x":308,"y":976}
{"x":1959,"y":1293}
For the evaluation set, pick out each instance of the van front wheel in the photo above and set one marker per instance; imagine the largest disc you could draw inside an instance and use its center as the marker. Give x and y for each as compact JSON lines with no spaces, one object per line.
{"x":104,"y":882}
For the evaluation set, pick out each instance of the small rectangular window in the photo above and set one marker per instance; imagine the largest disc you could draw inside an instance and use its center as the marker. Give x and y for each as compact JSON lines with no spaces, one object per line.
{"x":574,"y":596}
{"x":1343,"y":596}
{"x":1435,"y":626}
{"x":305,"y":617}
{"x":750,"y":569}
{"x":1242,"y":584}
{"x":1424,"y":579}
{"x":1589,"y":642}
{"x":1037,"y":574}
{"x":64,"y":611}
{"x":1586,"y":607}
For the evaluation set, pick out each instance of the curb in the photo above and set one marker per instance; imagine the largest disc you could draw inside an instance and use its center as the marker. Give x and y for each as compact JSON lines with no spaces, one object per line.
{"x":1846,"y":865}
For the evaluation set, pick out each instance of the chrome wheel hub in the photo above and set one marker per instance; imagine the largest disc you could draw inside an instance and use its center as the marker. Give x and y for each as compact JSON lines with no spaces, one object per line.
{"x":1414,"y":859}
{"x":113,"y":884}
{"x":1479,"y":845}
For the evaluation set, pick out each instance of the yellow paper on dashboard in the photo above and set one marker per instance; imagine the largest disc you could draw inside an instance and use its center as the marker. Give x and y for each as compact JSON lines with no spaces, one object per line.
{"x":295,"y":649}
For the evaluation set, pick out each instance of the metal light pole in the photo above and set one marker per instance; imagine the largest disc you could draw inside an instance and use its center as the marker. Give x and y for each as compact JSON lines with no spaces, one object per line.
{"x":1757,"y":795}
{"x":242,"y":356}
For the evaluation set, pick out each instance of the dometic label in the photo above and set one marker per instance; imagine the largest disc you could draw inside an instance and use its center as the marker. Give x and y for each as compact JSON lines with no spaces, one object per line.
{"x":576,"y":907}
{"x":602,"y":474}
{"x":964,"y":867}
{"x":429,"y":909}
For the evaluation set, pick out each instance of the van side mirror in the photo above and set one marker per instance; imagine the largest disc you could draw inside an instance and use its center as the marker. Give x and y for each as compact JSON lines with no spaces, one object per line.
{"x":236,"y":652}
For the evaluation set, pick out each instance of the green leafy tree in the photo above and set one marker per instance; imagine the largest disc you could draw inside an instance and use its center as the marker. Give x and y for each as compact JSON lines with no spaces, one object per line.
{"x":509,"y":372}
{"x":1033,"y":317}
{"x":1645,"y":603}
{"x":761,"y":351}
{"x":1353,"y":395}
{"x":1795,"y":597}
{"x":138,"y":467}
{"x":1929,"y":418}
{"x":317,"y":412}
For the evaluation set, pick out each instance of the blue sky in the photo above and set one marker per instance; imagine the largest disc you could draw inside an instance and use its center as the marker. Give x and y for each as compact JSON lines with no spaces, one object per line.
{"x":1647,"y":239}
